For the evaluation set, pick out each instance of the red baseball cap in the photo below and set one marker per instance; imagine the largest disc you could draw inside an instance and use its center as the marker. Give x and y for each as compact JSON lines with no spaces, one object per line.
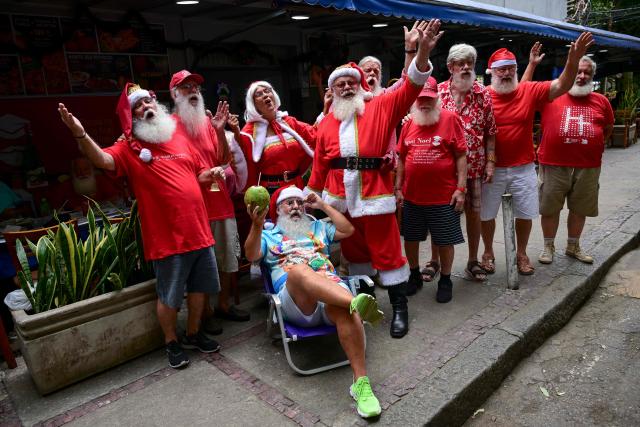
{"x":430,"y":89}
{"x":183,"y":75}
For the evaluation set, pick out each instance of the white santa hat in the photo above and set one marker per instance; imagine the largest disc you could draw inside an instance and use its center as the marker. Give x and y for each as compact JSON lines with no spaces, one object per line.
{"x":351,"y":70}
{"x":137,"y":94}
{"x":289,"y":192}
{"x":501,"y":58}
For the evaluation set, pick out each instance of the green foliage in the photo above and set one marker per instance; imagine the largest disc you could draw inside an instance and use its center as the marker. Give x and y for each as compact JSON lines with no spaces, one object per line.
{"x":71,"y":270}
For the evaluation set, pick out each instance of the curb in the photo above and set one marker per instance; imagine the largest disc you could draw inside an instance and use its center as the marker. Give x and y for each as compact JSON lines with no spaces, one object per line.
{"x":451,"y":395}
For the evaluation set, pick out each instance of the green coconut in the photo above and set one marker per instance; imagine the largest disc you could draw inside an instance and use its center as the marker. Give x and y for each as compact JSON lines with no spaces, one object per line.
{"x":257,"y":195}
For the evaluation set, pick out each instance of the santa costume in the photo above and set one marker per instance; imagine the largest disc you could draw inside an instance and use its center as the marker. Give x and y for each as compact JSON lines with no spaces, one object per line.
{"x":347,"y":173}
{"x":281,"y":158}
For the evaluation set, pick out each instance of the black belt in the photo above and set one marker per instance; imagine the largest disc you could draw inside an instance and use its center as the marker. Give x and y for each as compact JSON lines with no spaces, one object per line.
{"x":286,"y":176}
{"x":356,"y":163}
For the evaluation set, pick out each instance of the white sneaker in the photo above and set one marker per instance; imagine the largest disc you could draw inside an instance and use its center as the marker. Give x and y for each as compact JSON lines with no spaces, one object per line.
{"x":546,"y":256}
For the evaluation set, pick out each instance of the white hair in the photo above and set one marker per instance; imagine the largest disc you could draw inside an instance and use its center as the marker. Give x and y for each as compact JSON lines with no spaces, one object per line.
{"x":460,"y":52}
{"x":250,"y":112}
{"x":370,"y":59}
{"x":591,"y":62}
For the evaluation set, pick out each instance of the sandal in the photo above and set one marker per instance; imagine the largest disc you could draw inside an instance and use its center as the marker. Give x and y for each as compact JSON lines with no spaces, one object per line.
{"x":488,"y":264}
{"x":475,"y":271}
{"x":430,"y":270}
{"x":524,"y":266}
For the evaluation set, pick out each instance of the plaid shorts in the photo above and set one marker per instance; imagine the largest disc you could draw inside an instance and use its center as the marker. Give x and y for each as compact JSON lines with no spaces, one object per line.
{"x":473,"y":198}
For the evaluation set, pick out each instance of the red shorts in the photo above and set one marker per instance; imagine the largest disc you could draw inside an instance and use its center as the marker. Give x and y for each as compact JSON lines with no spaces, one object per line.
{"x":376,"y":239}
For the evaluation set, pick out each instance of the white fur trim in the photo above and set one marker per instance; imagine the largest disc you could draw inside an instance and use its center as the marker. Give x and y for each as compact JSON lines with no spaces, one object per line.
{"x":289,"y":192}
{"x":319,"y":118}
{"x":355,"y":204}
{"x":306,"y":191}
{"x":338,"y":203}
{"x":145,"y":155}
{"x":261,"y":125}
{"x":502,"y":63}
{"x":138,"y":95}
{"x":394,"y":277}
{"x":343,"y":72}
{"x":416,"y":76}
{"x":364,"y":268}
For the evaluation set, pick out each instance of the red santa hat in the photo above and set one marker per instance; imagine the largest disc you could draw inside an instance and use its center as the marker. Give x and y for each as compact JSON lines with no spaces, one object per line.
{"x":131,"y":94}
{"x":351,"y":70}
{"x":501,"y":58}
{"x":282,"y":193}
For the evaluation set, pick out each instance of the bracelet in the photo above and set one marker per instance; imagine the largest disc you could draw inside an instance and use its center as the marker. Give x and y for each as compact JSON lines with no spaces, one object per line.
{"x":81,"y":136}
{"x":411,"y":51}
{"x":491,"y":157}
{"x":461,"y":189}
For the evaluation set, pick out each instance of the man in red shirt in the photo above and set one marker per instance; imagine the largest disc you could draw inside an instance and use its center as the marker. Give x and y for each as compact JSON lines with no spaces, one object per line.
{"x":514,"y":105}
{"x":165,"y":174}
{"x":430,"y":183}
{"x":574,"y":129}
{"x":209,"y":139}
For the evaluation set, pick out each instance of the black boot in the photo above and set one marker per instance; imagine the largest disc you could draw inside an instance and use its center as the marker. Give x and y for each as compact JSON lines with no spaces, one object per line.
{"x":400,"y":320}
{"x":415,"y":282}
{"x":445,"y":289}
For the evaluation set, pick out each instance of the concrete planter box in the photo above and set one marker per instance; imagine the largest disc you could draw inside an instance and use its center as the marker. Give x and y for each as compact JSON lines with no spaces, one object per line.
{"x":70,"y":343}
{"x":623,"y":135}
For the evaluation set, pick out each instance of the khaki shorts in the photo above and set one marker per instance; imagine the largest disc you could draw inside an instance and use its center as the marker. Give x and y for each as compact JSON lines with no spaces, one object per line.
{"x":473,"y":198}
{"x":225,"y":233}
{"x":578,"y":185}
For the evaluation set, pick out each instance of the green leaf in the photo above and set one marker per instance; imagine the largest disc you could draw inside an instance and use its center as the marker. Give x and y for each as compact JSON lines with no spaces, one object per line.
{"x":544,"y":391}
{"x":22,"y":257}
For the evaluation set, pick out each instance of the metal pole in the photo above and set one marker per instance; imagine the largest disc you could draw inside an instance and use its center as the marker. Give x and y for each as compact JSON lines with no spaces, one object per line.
{"x":509,"y":241}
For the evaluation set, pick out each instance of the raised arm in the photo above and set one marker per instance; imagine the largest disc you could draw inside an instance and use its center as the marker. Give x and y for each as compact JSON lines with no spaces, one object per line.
{"x":535,"y":58}
{"x":87,"y":145}
{"x":411,"y":38}
{"x":577,"y":50}
{"x":218,"y":121}
{"x":344,"y":228}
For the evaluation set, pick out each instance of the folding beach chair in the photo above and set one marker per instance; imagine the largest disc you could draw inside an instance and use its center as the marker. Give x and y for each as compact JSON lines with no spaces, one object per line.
{"x":290,"y":333}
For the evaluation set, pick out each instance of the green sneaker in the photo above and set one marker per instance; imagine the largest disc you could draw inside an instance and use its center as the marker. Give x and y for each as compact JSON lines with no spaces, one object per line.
{"x":367,"y":404}
{"x":367,"y":308}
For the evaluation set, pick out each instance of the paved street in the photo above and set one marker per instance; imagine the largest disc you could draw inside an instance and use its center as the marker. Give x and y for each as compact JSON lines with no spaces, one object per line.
{"x":453,"y":357}
{"x":589,"y":369}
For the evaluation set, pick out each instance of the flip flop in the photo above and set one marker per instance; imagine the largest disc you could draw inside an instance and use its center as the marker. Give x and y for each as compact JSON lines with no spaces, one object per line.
{"x":524,"y":266}
{"x":430,"y":270}
{"x":475,"y":271}
{"x":488,"y":264}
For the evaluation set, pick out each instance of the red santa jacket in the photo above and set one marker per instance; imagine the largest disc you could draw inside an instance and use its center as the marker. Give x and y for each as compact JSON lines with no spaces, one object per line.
{"x":362,"y":192}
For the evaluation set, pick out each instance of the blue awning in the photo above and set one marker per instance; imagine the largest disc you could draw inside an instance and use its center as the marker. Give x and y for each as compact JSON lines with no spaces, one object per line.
{"x":479,"y":14}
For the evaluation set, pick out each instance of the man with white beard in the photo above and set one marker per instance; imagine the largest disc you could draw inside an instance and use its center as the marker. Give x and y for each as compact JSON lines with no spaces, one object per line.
{"x":467,"y":97}
{"x":165,"y":174}
{"x":296,"y":252}
{"x":574,"y":129}
{"x":430,"y":182}
{"x":210,"y":142}
{"x":514,"y":106}
{"x":347,"y":170}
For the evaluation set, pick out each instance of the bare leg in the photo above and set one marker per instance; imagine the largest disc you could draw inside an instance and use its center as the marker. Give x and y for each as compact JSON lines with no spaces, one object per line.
{"x":473,"y":233}
{"x":549,"y":224}
{"x":351,"y":336}
{"x":195,"y":305}
{"x":306,"y":288}
{"x":225,"y":291}
{"x":523,"y":230}
{"x":435,"y":253}
{"x":488,"y":230}
{"x":575,"y":224}
{"x":446,"y":257}
{"x":167,"y":317}
{"x":412,"y":250}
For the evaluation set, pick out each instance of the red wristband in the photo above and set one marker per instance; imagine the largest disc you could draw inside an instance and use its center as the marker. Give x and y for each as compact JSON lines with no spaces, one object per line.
{"x":461,"y":189}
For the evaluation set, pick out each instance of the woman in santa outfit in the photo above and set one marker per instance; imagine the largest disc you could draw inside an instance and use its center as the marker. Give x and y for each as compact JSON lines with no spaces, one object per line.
{"x":278,"y":147}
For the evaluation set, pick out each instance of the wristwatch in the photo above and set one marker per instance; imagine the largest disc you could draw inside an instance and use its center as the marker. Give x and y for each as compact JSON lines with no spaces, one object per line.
{"x":491,"y":157}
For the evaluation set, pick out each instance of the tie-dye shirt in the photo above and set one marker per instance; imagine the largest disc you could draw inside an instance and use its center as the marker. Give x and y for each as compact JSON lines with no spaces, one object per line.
{"x":280,"y":252}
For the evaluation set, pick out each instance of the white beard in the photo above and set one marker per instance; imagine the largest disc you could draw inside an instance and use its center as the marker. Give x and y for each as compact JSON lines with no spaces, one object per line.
{"x":157,"y":129}
{"x":294,"y":228}
{"x":463,"y":84}
{"x":426,"y":119}
{"x":85,"y":186}
{"x":344,"y":109}
{"x":504,"y":87}
{"x":193,"y":117}
{"x":581,"y":90}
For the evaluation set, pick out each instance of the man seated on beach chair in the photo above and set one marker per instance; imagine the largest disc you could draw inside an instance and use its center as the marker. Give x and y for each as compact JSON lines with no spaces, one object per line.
{"x":296,"y":252}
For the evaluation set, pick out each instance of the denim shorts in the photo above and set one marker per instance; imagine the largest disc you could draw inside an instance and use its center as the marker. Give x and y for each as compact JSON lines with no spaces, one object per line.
{"x":195,"y":270}
{"x":293,"y":314}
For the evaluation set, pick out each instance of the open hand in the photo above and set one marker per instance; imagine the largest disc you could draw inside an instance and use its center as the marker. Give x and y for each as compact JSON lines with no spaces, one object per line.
{"x":412,"y":36}
{"x":220,"y":118}
{"x":579,"y":47}
{"x":535,"y":55}
{"x":428,"y":38}
{"x":74,"y":125}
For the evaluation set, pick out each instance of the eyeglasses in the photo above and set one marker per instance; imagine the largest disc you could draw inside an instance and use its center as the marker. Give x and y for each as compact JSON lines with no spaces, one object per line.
{"x":263,"y":92}
{"x":293,"y":202}
{"x":345,"y":83}
{"x":189,"y":87}
{"x":505,"y":70}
